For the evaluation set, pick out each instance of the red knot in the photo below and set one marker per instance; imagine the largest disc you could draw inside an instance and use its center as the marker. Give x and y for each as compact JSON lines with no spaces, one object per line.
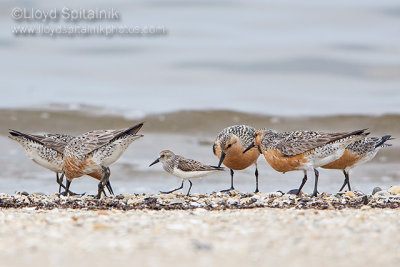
{"x":229,"y":146}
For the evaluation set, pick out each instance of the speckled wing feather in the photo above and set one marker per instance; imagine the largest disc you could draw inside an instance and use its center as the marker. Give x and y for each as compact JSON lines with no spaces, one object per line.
{"x":302,"y":141}
{"x":91,"y":141}
{"x":56,"y":142}
{"x":185,"y":164}
{"x":362,"y":147}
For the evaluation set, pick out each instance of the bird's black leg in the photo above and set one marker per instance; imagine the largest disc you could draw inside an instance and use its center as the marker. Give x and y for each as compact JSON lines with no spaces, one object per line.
{"x":103,"y":181}
{"x":110,"y":190}
{"x":167,"y":192}
{"x":108,"y":184}
{"x":344,"y":182}
{"x":232,"y":188}
{"x":303,"y":182}
{"x":59,"y":181}
{"x":315,"y":192}
{"x":67,"y":185}
{"x":256,"y":174}
{"x":190,"y":187}
{"x":347,"y":175}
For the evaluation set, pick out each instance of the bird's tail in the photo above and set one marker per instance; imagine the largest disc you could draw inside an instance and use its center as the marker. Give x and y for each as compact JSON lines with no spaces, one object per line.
{"x":129,"y":131}
{"x":16,"y":135}
{"x":383,"y":140}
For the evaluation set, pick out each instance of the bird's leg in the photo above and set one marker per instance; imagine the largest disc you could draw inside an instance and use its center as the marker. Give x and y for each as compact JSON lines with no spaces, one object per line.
{"x":108,"y":184}
{"x":59,"y":181}
{"x":103,"y":181}
{"x":256,"y":174}
{"x":167,"y":192}
{"x":67,"y":185}
{"x":69,"y":191}
{"x":344,"y":182}
{"x":110,"y":190}
{"x":190,"y":187}
{"x":232,"y":188}
{"x":315,"y":192}
{"x":303,"y":182}
{"x":347,"y":176}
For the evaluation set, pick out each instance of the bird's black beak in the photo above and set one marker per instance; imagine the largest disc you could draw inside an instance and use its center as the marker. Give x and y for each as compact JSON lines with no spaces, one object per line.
{"x":154,"y":162}
{"x":221,"y":159}
{"x":249,"y":147}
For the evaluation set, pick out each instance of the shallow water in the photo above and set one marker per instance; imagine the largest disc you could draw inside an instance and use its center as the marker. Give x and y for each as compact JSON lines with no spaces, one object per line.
{"x":131,"y":173}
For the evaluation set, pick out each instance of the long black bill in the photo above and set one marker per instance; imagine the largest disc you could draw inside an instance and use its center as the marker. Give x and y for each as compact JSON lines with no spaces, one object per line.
{"x":154,"y":162}
{"x":221,"y":159}
{"x":249,"y":147}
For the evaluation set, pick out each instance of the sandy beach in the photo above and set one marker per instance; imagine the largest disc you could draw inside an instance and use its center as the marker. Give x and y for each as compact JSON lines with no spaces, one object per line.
{"x":256,"y":237}
{"x":232,"y":229}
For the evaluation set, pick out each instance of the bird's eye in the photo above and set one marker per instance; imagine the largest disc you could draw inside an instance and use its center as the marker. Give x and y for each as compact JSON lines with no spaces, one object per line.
{"x":162,"y":156}
{"x":229,"y":145}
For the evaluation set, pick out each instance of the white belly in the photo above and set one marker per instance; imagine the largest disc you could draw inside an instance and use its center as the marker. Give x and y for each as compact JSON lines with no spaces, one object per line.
{"x":191,"y":174}
{"x":111,"y":153}
{"x":37,"y":157}
{"x":328,"y":153}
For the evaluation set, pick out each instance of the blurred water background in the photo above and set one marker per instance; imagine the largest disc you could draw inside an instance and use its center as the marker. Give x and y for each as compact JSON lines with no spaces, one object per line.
{"x":281,"y":64}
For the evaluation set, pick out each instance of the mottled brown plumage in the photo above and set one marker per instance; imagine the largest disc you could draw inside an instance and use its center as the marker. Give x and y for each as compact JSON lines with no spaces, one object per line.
{"x":302,"y":150}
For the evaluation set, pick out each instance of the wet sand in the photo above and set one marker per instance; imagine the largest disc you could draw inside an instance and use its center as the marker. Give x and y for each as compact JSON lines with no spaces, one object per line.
{"x":256,"y":237}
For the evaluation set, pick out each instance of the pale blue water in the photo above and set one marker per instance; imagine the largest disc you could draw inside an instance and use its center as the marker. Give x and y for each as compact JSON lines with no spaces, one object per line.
{"x":283,"y":57}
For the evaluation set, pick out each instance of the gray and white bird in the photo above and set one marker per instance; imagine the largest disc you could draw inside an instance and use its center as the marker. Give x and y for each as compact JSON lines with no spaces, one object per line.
{"x":183,"y":168}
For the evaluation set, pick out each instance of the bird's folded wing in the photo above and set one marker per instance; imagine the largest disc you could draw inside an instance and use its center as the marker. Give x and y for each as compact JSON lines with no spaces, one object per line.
{"x":56,"y":142}
{"x":192,"y":165}
{"x":303,"y":141}
{"x":96,"y":139}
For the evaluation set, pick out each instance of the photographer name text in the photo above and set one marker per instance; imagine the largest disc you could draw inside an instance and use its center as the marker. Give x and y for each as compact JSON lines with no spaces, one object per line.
{"x":65,"y":14}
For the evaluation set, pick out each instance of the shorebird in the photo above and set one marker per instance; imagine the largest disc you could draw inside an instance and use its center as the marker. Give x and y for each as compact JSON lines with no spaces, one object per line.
{"x":229,"y":146}
{"x":47,"y":150}
{"x":94,"y":151}
{"x":302,"y":150}
{"x":357,"y":153}
{"x":183,"y":168}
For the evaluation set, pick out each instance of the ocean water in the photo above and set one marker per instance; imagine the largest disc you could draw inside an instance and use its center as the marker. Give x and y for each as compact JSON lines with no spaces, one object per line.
{"x":269,"y":57}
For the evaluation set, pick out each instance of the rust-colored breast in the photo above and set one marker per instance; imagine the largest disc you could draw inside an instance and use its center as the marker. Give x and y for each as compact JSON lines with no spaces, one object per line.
{"x":281,"y":163}
{"x":348,"y":159}
{"x":75,"y":168}
{"x":235,"y":159}
{"x":98,"y":174}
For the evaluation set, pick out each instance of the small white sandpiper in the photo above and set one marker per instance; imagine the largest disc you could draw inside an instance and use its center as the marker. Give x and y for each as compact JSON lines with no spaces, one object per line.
{"x":183,"y":168}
